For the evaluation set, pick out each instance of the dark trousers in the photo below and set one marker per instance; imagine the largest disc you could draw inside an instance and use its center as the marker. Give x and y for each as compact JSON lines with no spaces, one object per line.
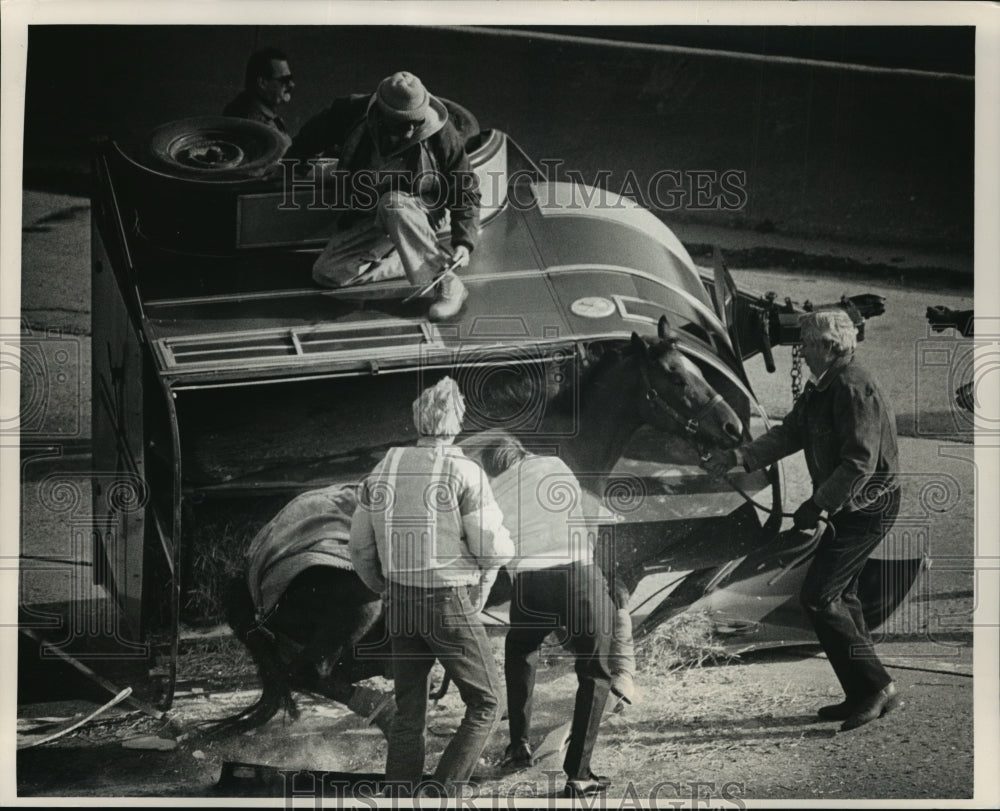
{"x":830,"y":595}
{"x":574,"y":598}
{"x":441,"y":624}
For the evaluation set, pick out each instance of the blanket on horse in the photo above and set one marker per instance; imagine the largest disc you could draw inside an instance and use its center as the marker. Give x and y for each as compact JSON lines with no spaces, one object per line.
{"x":313,"y":529}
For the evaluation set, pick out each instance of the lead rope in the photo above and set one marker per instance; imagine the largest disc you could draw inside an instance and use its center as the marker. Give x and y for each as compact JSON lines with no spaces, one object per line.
{"x":806,"y":549}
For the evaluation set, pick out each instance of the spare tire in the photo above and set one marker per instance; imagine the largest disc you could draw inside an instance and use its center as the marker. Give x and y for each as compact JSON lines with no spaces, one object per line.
{"x":216,"y":148}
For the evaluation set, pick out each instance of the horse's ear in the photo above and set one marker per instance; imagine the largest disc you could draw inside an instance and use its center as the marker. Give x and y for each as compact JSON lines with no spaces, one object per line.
{"x":638,"y":344}
{"x":663,"y":329}
{"x":667,"y":333}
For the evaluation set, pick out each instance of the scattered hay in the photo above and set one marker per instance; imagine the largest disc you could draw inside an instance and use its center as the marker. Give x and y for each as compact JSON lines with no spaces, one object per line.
{"x":686,"y":640}
{"x":213,"y":563}
{"x":222,"y":661}
{"x":217,"y":535}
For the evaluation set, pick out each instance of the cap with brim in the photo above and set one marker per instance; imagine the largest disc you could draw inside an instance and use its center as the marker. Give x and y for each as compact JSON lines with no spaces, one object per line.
{"x":403,"y":97}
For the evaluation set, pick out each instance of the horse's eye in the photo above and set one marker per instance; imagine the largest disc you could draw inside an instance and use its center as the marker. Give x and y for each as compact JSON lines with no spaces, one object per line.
{"x":676,"y":378}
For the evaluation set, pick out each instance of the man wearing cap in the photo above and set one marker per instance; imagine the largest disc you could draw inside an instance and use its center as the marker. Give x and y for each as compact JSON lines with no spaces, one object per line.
{"x":429,"y":535}
{"x":267,"y":84}
{"x":407,"y":165}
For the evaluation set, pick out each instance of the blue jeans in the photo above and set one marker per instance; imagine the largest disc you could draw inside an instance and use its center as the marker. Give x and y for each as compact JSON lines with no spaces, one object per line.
{"x":830,"y":595}
{"x":575,"y":598}
{"x":438,"y":624}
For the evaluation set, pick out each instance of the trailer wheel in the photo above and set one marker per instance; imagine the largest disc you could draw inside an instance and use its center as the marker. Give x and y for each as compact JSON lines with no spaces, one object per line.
{"x":216,"y":148}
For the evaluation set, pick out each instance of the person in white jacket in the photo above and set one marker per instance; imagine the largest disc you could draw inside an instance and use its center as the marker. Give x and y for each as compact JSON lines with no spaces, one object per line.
{"x":429,"y":535}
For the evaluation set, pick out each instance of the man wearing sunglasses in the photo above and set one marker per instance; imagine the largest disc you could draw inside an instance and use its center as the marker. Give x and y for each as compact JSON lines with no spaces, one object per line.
{"x":409,"y":176}
{"x":267,"y":84}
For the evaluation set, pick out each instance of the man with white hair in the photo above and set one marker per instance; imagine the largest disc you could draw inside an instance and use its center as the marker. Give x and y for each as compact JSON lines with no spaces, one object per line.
{"x":429,"y":535}
{"x":847,"y":430}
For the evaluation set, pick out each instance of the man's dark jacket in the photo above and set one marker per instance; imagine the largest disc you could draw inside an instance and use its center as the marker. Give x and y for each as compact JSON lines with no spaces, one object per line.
{"x":436,"y":166}
{"x":847,"y":430}
{"x":246,"y":105}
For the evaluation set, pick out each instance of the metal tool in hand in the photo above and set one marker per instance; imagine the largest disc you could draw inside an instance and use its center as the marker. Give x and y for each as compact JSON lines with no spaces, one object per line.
{"x":423,"y":291}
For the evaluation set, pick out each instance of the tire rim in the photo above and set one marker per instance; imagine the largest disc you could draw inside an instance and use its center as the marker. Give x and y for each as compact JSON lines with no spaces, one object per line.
{"x":212,"y":151}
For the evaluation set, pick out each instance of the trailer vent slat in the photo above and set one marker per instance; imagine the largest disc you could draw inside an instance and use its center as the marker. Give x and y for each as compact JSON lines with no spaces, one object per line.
{"x":269,"y":346}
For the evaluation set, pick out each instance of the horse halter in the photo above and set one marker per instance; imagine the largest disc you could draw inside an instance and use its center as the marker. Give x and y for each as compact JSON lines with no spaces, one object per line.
{"x":653,"y":397}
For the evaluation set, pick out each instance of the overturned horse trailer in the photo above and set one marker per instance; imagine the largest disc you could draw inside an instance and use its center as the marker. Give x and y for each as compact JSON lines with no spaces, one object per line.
{"x":225,"y":382}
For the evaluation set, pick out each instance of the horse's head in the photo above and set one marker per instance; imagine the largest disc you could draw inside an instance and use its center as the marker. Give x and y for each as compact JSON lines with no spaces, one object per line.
{"x":676,"y":397}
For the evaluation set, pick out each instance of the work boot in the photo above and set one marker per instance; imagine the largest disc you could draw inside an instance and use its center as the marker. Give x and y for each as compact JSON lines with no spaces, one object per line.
{"x":836,"y":712}
{"x":875,"y":706}
{"x":517,"y":757}
{"x":451,"y":295}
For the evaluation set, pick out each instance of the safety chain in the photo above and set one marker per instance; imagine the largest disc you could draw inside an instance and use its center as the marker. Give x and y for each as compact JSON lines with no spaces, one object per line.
{"x":796,"y":371}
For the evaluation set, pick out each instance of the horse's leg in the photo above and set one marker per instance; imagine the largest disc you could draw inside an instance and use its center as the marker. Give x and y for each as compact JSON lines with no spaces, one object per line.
{"x":371,"y":656}
{"x":361,"y":647}
{"x":365,"y":655}
{"x":339,"y":651}
{"x":275,"y":692}
{"x":328,"y":610}
{"x":623,"y":657}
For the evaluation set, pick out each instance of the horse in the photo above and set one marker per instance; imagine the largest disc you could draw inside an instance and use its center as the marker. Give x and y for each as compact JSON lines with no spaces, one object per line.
{"x":325,"y":632}
{"x":653,"y":383}
{"x":302,"y":612}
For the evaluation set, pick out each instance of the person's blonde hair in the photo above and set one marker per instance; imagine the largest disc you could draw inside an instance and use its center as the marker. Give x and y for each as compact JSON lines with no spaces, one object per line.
{"x":833,"y":327}
{"x":501,"y":454}
{"x":439,"y":410}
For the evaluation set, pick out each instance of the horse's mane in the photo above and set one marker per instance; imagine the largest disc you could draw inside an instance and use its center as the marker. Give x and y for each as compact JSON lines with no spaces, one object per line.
{"x":596,"y":371}
{"x":511,"y":389}
{"x":611,"y":355}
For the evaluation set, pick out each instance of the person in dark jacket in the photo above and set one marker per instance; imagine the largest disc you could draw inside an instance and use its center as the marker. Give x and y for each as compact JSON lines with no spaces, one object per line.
{"x":267,"y":84}
{"x":847,"y":430}
{"x":407,"y":165}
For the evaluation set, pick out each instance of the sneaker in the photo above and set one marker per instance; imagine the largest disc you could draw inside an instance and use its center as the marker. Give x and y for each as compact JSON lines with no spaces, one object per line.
{"x":587,"y":786}
{"x":451,"y":295}
{"x":517,"y":758}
